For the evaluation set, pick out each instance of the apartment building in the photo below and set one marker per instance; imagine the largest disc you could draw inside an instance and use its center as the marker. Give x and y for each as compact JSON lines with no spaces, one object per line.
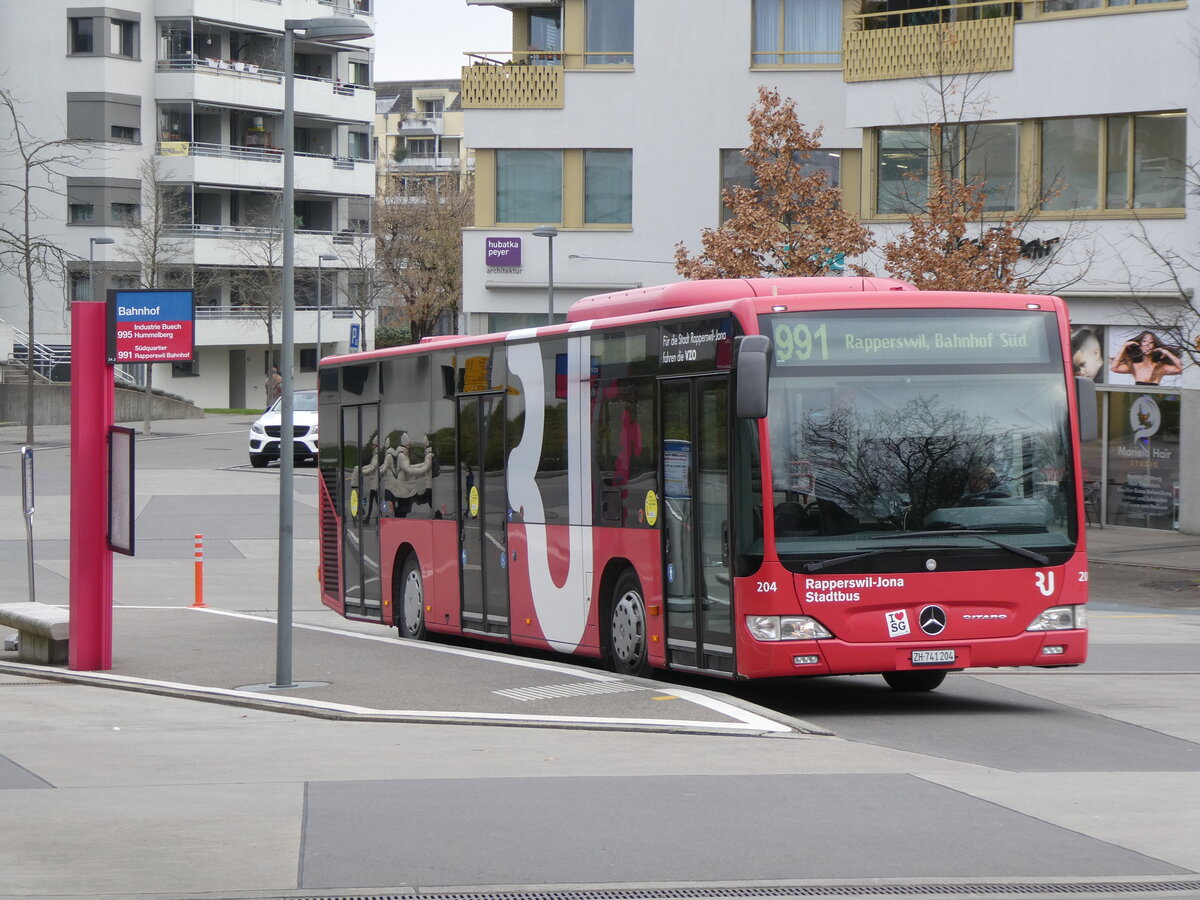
{"x":618,"y":122}
{"x":419,"y":133}
{"x":184,"y":100}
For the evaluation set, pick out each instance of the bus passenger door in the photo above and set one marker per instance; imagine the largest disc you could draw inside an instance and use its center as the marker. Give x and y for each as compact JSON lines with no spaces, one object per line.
{"x":482,"y":506}
{"x":697,"y":574}
{"x":362,"y":587}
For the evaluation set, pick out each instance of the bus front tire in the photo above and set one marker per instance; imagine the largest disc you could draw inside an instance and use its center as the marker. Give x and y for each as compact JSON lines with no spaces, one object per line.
{"x":628,"y":643}
{"x":410,"y":601}
{"x":912,"y":681}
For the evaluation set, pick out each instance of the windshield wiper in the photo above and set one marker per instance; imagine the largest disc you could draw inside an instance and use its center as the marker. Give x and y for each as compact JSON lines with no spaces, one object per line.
{"x":838,"y":560}
{"x":982,"y":535}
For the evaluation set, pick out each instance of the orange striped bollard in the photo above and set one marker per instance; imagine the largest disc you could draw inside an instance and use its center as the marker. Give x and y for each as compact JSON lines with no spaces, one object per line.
{"x":199,"y":602}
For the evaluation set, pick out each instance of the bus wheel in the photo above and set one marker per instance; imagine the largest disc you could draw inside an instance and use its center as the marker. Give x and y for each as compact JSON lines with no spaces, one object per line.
{"x":914,"y":681}
{"x":627,"y":641}
{"x":410,"y":608}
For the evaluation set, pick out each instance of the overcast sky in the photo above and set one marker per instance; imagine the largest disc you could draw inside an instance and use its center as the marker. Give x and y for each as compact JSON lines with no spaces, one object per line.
{"x":425,"y":39}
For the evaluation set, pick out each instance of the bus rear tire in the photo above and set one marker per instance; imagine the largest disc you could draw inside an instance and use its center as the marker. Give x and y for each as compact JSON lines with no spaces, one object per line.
{"x":628,"y":643}
{"x":912,"y":681}
{"x":409,"y":602}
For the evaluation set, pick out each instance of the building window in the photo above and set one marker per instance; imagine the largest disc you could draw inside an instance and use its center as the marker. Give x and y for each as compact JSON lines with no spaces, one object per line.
{"x":189,"y":368}
{"x":125,"y":213}
{"x":360,"y":145}
{"x":609,"y":32}
{"x":529,"y":186}
{"x":545,"y":36}
{"x":797,"y":32}
{"x":81,"y":213}
{"x":81,"y":287}
{"x":1073,"y":5}
{"x":124,"y":133}
{"x":608,"y":187}
{"x":360,"y":74}
{"x":123,"y":38}
{"x":902,"y":172}
{"x":82,"y":36}
{"x":736,"y":172}
{"x":1114,"y":162}
{"x":982,"y":155}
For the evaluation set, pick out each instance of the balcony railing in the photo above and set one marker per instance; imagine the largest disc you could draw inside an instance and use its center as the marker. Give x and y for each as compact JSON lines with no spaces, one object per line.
{"x":261,"y":312}
{"x":526,"y":81}
{"x":219,"y":67}
{"x":255,"y":232}
{"x":956,"y":39}
{"x":409,"y":163}
{"x":223,"y":151}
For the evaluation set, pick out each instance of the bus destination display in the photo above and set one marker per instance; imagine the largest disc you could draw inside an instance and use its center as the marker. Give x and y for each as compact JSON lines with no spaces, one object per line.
{"x":883,"y":340}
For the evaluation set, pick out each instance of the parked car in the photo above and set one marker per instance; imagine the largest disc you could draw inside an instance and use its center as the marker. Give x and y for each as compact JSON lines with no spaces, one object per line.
{"x":264,"y":434}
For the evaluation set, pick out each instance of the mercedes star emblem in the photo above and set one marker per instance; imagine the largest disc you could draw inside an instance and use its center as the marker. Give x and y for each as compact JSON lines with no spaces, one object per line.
{"x":933,"y":620}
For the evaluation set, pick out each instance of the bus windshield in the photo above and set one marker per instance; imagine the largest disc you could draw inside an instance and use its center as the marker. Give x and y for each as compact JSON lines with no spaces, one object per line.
{"x":895,"y":432}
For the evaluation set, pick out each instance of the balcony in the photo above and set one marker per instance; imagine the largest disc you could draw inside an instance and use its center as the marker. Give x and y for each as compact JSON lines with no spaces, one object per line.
{"x":196,"y":162}
{"x":951,"y":39}
{"x":531,"y":81}
{"x":248,"y":245}
{"x":430,"y":163}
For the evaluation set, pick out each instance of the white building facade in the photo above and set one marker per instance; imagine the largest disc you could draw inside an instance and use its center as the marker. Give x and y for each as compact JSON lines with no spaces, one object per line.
{"x":194,"y":88}
{"x":618,"y":122}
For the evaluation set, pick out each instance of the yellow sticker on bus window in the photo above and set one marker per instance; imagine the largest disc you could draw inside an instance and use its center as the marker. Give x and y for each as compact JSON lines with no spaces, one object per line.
{"x":651,"y":507}
{"x":474,"y":501}
{"x":354,"y":501}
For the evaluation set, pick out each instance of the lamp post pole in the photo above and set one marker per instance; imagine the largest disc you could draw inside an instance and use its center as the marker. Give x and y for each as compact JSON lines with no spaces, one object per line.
{"x":92,"y":242}
{"x":550,"y":233}
{"x":325,"y":28}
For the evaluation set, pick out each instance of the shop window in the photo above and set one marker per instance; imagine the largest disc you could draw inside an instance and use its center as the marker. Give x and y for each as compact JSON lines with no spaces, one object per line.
{"x":1142,"y":484}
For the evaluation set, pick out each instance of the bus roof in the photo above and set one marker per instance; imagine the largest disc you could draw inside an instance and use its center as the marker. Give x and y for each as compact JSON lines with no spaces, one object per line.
{"x":695,"y":293}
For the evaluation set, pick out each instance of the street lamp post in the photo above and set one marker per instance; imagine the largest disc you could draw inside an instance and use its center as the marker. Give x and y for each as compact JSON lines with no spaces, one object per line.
{"x":550,"y":233}
{"x":323,"y":28}
{"x":92,"y":242}
{"x":324,"y":257}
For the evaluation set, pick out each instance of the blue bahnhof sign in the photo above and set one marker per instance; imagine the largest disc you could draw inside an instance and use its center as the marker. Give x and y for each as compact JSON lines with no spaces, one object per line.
{"x":149,"y":326}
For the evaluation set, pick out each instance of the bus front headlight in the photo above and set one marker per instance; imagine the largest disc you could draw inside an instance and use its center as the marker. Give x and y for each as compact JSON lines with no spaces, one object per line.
{"x":1060,"y":618}
{"x":786,"y":628}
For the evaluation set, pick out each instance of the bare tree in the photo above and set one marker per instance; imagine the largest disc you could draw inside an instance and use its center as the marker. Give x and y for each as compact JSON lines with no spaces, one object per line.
{"x":365,"y":285}
{"x":33,"y":169}
{"x":792,"y":221}
{"x":419,"y":249}
{"x":257,"y":283}
{"x":968,"y":219}
{"x":153,"y":247}
{"x":1178,"y":322}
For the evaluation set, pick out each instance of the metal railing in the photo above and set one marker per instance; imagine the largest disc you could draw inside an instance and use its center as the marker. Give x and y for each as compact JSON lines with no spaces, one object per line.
{"x":261,"y":312}
{"x":220,"y":67}
{"x":200,"y":229}
{"x":875,"y":15}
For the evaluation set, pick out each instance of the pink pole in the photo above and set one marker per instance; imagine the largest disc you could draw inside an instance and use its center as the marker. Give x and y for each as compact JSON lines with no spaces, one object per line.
{"x":92,"y":413}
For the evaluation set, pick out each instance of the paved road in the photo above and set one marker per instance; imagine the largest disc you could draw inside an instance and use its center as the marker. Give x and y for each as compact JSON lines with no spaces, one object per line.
{"x":1076,"y":783}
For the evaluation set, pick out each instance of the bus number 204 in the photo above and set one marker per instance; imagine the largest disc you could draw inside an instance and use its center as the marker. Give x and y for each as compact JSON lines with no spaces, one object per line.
{"x":768,"y":587}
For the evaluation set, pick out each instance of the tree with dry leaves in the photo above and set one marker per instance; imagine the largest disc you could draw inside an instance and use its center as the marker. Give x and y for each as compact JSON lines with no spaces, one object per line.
{"x":948,"y":245}
{"x":792,"y":221}
{"x":419,"y":249}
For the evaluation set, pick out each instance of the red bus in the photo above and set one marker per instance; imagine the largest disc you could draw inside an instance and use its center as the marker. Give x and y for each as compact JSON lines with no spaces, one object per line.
{"x":746,"y":478}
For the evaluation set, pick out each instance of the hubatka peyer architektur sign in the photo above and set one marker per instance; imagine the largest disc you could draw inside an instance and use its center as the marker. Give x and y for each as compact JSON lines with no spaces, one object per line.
{"x":151,"y":326}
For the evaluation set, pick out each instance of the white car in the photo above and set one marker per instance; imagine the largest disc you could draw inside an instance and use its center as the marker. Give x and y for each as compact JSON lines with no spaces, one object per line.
{"x":264,"y":434}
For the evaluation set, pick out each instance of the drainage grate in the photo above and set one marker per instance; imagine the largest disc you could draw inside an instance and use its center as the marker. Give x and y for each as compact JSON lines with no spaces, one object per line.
{"x":574,"y":689}
{"x":1046,"y":890}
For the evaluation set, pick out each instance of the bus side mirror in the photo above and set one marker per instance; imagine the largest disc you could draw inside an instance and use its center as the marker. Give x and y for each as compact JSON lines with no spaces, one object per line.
{"x":1085,"y":395}
{"x":753,"y":363}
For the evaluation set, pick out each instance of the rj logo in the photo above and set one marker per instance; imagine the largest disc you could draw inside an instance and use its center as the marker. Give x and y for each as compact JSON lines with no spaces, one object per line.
{"x":1045,"y":583}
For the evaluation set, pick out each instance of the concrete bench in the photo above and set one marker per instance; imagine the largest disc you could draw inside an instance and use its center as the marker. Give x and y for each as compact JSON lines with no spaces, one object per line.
{"x":42,"y":631}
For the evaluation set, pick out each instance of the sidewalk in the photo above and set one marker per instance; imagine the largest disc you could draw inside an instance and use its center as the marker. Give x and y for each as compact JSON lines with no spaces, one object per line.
{"x":1143,"y":547}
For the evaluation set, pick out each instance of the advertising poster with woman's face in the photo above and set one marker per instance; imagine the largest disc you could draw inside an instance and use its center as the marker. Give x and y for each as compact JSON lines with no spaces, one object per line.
{"x":1142,"y":356}
{"x":1087,"y":352}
